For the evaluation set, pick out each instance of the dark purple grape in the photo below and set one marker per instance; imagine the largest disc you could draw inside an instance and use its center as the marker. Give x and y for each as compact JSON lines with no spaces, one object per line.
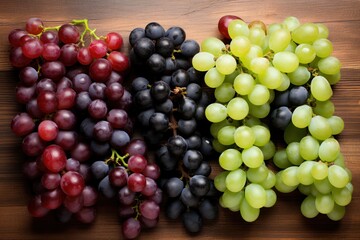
{"x":131,"y":228}
{"x":67,"y":139}
{"x":22,"y":124}
{"x":144,"y":48}
{"x":100,"y":70}
{"x":177,"y":34}
{"x":65,"y":119}
{"x":102,"y":131}
{"x":45,"y":84}
{"x":28,"y":76}
{"x":97,"y":90}
{"x":81,"y":82}
{"x":68,"y":54}
{"x":54,"y":70}
{"x":97,"y":109}
{"x":164,"y":46}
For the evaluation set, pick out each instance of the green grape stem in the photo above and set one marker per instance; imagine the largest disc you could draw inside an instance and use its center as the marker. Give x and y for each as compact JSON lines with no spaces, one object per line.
{"x":87,"y":29}
{"x":117,"y":159}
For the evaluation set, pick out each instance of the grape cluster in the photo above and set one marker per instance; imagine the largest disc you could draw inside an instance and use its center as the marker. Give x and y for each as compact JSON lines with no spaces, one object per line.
{"x":171,"y":104}
{"x":272,"y":81}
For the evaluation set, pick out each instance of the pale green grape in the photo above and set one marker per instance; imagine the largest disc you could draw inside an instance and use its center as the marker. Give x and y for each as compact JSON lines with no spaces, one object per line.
{"x":244,"y":83}
{"x":259,"y":95}
{"x":300,"y":76}
{"x":224,"y":93}
{"x":269,"y":181}
{"x":294,"y":134}
{"x":291,"y":23}
{"x":308,"y":208}
{"x":289,"y":176}
{"x":305,"y":33}
{"x":271,"y":78}
{"x":215,"y":112}
{"x":324,"y":203}
{"x":286,"y":62}
{"x":226,"y":135}
{"x":212,"y":45}
{"x":350,"y":187}
{"x":259,"y":65}
{"x":257,"y":35}
{"x":237,"y":108}
{"x":218,"y":147}
{"x":230,"y":159}
{"x":293,"y":153}
{"x":279,"y":39}
{"x":340,"y":161}
{"x":324,"y":108}
{"x":301,"y":116}
{"x":319,"y":128}
{"x":337,"y":213}
{"x":254,"y":52}
{"x":323,"y":30}
{"x":232,"y":199}
{"x":329,"y":65}
{"x":304,"y":173}
{"x":332,"y":78}
{"x":338,"y":176}
{"x":309,"y":148}
{"x":274,"y":27}
{"x":323,"y":186}
{"x":244,"y":137}
{"x":257,"y":175}
{"x":323,"y":47}
{"x":247,"y":212}
{"x":280,"y":159}
{"x":221,"y":202}
{"x":319,"y":171}
{"x":236,"y":208}
{"x":213,"y":78}
{"x":291,"y":47}
{"x":265,"y":45}
{"x":305,"y":189}
{"x":240,"y":46}
{"x":220,"y":181}
{"x":270,"y":198}
{"x":231,"y":77}
{"x":285,"y":83}
{"x":281,"y":186}
{"x":203,"y":61}
{"x":255,"y":195}
{"x":314,"y":191}
{"x":329,"y":150}
{"x":226,"y":64}
{"x":235,"y":180}
{"x":342,"y":196}
{"x":262,"y":135}
{"x":252,"y":121}
{"x":237,"y":28}
{"x":336,"y":124}
{"x":215,"y":127}
{"x":305,"y":53}
{"x":259,"y":111}
{"x":268,"y":150}
{"x":252,"y":157}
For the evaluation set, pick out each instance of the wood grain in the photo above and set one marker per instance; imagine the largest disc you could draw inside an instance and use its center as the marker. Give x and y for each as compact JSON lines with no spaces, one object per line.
{"x":199,"y":19}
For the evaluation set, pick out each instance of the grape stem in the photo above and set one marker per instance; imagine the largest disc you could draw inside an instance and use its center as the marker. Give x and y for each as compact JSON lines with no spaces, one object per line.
{"x":117,"y":158}
{"x":87,"y":29}
{"x":173,"y":124}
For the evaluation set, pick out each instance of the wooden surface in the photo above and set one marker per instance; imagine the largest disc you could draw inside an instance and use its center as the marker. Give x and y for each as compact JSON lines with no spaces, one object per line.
{"x":199,"y":19}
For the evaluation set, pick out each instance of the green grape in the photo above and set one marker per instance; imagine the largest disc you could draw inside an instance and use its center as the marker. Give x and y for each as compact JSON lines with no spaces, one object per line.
{"x":323,"y":30}
{"x":300,"y":76}
{"x":232,"y":199}
{"x":272,"y":95}
{"x":309,"y":148}
{"x":259,"y":111}
{"x":323,"y":186}
{"x":305,"y":33}
{"x":336,"y":124}
{"x":252,"y":157}
{"x":265,"y":46}
{"x":213,"y":45}
{"x":319,"y":171}
{"x":285,"y":83}
{"x":305,"y":189}
{"x":215,"y":112}
{"x":324,"y":203}
{"x":254,"y":52}
{"x":286,"y":62}
{"x":226,"y":135}
{"x":244,"y":83}
{"x":323,"y":47}
{"x":289,"y":176}
{"x":269,"y":181}
{"x":219,"y":181}
{"x":262,"y":135}
{"x":221,"y":202}
{"x":291,"y":47}
{"x":231,"y":77}
{"x":301,"y":116}
{"x":225,"y":64}
{"x":274,"y":27}
{"x":329,"y":150}
{"x":240,"y":46}
{"x":237,"y":108}
{"x":342,"y":196}
{"x":215,"y":127}
{"x":236,"y":208}
{"x":224,"y":93}
{"x":244,"y":137}
{"x":279,"y":39}
{"x":350,"y":187}
{"x":270,"y":198}
{"x":259,"y":65}
{"x":332,"y":78}
{"x":255,"y":195}
{"x":304,"y":173}
{"x":308,"y":208}
{"x":305,"y":53}
{"x":337,"y":213}
{"x":252,"y":121}
{"x":294,"y":134}
{"x":314,"y":191}
{"x":235,"y":180}
{"x":203,"y":61}
{"x":293,"y":153}
{"x":291,"y":23}
{"x":280,"y":159}
{"x":319,"y":128}
{"x":329,"y":65}
{"x":237,"y":28}
{"x":271,"y":78}
{"x":338,"y":176}
{"x":218,"y":147}
{"x":230,"y":159}
{"x":213,"y":78}
{"x":281,"y":186}
{"x":247,"y":212}
{"x":257,"y":175}
{"x":268,"y":150}
{"x":340,"y":161}
{"x":259,"y":95}
{"x":324,"y":108}
{"x":257,"y":35}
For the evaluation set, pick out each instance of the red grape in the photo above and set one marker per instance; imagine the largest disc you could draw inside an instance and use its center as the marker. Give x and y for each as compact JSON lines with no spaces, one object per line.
{"x":72,"y":183}
{"x":47,"y":101}
{"x":97,"y":49}
{"x":131,"y":228}
{"x":86,"y":215}
{"x":32,"y":48}
{"x":34,"y":26}
{"x":100,"y":70}
{"x":51,"y":52}
{"x":49,"y":37}
{"x":118,"y":176}
{"x":149,"y":209}
{"x":83,"y":56}
{"x":69,"y":34}
{"x":48,"y":130}
{"x":18,"y":59}
{"x":52,"y":199}
{"x":36,"y":208}
{"x":119,"y":61}
{"x":66,"y":98}
{"x":28,"y":76}
{"x":74,"y":204}
{"x":90,"y":196}
{"x":136,"y":182}
{"x":14,"y":37}
{"x":22,"y":124}
{"x":54,"y":158}
{"x":114,"y":41}
{"x":33,"y":145}
{"x":137,"y":163}
{"x":50,"y":180}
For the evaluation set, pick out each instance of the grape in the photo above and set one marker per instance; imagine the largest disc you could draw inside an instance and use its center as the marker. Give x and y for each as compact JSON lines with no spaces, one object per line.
{"x":279,"y":40}
{"x":338,"y":177}
{"x":213,"y":46}
{"x":309,"y":148}
{"x":223,"y":24}
{"x":324,"y":203}
{"x":308,"y":208}
{"x":203,"y":61}
{"x":320,"y":88}
{"x":213,"y":78}
{"x":305,"y":53}
{"x":286,"y":61}
{"x":252,"y":157}
{"x":244,"y":137}
{"x":248,"y":213}
{"x":216,"y":112}
{"x":244,"y":84}
{"x":320,"y":128}
{"x":329,"y":65}
{"x":225,"y":64}
{"x":237,"y":108}
{"x":305,"y":33}
{"x":259,"y":95}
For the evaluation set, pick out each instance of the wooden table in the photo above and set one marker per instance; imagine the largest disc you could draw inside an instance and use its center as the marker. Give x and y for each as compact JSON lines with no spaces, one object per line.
{"x":199,"y":19}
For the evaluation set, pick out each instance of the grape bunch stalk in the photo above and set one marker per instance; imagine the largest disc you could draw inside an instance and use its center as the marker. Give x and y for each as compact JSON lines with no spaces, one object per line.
{"x":273,"y":121}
